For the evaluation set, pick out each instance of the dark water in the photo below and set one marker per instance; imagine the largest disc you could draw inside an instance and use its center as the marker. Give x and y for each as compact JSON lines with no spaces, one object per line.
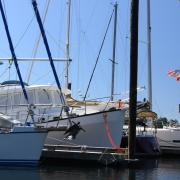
{"x":156,"y":169}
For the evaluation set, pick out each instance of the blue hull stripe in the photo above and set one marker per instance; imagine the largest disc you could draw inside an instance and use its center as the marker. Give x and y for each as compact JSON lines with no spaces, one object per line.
{"x":19,"y":162}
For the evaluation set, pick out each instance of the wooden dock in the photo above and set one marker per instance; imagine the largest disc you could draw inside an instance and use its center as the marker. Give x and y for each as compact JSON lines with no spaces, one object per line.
{"x":77,"y":154}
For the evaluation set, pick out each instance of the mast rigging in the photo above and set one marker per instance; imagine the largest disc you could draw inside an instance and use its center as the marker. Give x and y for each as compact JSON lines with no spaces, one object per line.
{"x":13,"y":52}
{"x":34,"y":3}
{"x":30,"y":111}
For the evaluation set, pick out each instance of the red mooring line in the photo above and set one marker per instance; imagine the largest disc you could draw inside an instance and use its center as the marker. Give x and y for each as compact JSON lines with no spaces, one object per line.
{"x":108,"y":132}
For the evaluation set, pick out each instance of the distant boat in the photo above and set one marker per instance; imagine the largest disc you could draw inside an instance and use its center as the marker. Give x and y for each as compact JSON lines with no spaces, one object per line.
{"x":168,"y":139}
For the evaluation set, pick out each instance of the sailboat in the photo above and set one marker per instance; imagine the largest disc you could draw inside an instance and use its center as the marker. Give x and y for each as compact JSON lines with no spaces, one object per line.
{"x":49,"y":108}
{"x":19,"y":143}
{"x":168,"y":137}
{"x":145,"y":144}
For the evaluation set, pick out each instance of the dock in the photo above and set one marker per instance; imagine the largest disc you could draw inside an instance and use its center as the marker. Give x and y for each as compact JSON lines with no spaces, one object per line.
{"x":84,"y":154}
{"x":170,"y":150}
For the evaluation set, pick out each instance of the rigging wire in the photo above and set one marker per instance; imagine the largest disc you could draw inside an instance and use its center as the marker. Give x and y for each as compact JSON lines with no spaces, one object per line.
{"x":98,"y":56}
{"x":55,"y":41}
{"x":91,"y":16}
{"x":38,"y":41}
{"x":34,"y":3}
{"x":127,"y":58}
{"x":58,"y":40}
{"x":22,"y":36}
{"x":15,"y":61}
{"x":4,"y":6}
{"x":4,"y":72}
{"x":15,"y":46}
{"x":5,"y":13}
{"x":83,"y":39}
{"x":46,"y":74}
{"x":124,"y":59}
{"x":41,"y":77}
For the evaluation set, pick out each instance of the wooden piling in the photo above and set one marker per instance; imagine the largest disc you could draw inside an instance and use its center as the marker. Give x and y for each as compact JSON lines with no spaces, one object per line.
{"x":133,"y":77}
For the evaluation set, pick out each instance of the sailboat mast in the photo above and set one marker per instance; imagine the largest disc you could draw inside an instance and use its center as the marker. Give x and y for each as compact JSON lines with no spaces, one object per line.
{"x":13,"y":52}
{"x":114,"y":51}
{"x":149,"y":55}
{"x":66,"y":71}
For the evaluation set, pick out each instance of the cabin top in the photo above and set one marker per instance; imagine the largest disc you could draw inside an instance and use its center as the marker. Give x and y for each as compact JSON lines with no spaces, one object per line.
{"x":14,"y":86}
{"x":12,"y":83}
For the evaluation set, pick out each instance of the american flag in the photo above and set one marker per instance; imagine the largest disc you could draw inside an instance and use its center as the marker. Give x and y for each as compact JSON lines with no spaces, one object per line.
{"x":174,"y":73}
{"x":178,"y":77}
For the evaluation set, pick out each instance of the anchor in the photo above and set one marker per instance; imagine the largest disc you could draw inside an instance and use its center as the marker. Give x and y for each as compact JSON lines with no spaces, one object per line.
{"x":73,"y":130}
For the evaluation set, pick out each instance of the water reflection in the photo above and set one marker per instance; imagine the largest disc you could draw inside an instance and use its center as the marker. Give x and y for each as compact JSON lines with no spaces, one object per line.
{"x":19,"y":173}
{"x":161,"y":169}
{"x":84,"y":173}
{"x":136,"y":171}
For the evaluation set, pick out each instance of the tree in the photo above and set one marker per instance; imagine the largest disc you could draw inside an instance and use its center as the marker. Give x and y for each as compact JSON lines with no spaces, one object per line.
{"x":173,"y":122}
{"x":162,"y":121}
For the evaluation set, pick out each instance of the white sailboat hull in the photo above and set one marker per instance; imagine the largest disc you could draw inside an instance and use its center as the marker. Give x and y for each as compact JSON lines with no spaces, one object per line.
{"x":24,"y":145}
{"x":169,"y":138}
{"x":100,"y":131}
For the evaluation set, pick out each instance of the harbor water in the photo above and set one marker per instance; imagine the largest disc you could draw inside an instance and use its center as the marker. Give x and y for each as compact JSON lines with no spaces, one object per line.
{"x":149,"y":169}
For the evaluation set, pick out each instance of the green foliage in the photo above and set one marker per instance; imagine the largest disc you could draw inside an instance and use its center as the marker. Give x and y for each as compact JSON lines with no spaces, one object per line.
{"x":173,"y":122}
{"x":163,"y":121}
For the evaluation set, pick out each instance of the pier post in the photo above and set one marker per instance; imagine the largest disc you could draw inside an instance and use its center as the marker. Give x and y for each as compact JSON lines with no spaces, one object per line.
{"x":133,"y":77}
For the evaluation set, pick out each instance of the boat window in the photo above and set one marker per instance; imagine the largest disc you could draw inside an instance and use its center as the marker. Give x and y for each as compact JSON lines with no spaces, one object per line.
{"x":22,"y":99}
{"x":30,"y":97}
{"x":5,"y":100}
{"x":44,"y":97}
{"x":17,"y":98}
{"x":57,"y":97}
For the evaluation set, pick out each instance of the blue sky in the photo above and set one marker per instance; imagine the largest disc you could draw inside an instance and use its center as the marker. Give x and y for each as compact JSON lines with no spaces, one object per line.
{"x":89,"y":20}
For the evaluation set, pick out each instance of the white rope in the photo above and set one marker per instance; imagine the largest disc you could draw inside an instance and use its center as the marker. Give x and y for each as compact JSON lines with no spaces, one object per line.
{"x":62,"y":141}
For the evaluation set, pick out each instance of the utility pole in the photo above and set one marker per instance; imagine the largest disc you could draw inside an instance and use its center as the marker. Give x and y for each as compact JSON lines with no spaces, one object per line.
{"x":133,"y":77}
{"x":114,"y":50}
{"x":149,"y":54}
